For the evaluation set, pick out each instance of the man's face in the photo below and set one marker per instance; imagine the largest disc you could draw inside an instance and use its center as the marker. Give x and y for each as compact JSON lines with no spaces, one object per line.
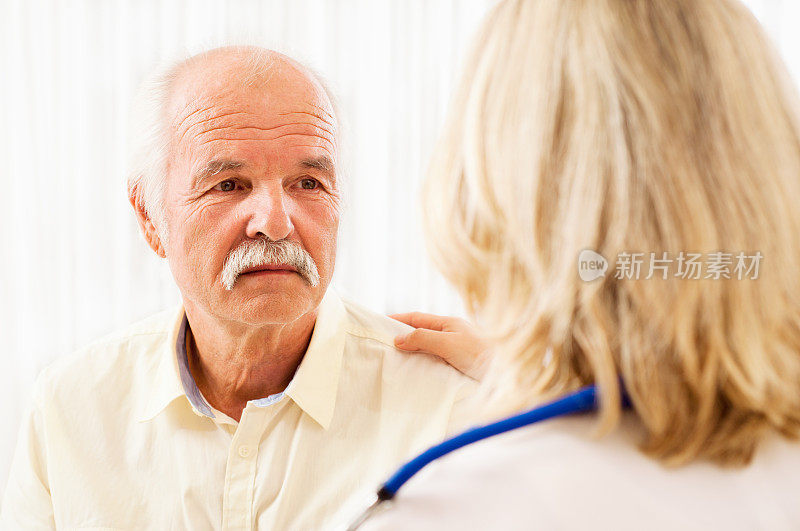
{"x":250,"y":163}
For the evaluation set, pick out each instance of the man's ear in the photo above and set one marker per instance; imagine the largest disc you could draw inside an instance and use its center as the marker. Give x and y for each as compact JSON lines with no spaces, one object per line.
{"x":145,"y":223}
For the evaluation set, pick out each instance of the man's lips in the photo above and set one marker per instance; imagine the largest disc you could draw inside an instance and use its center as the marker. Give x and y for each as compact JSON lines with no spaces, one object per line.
{"x":270,"y":268}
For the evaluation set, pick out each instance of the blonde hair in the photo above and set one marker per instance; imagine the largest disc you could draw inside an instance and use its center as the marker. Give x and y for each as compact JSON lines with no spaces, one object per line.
{"x":629,"y":126}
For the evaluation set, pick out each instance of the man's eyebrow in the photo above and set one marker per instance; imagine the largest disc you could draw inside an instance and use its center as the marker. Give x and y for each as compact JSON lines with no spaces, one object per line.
{"x":322,"y":163}
{"x":215,"y":167}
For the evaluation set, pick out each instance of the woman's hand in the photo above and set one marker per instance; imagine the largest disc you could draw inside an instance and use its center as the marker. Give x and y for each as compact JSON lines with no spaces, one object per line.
{"x":454,"y":340}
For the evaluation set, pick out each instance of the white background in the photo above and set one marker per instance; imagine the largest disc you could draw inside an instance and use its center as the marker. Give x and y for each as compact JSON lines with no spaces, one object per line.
{"x":73,"y":265}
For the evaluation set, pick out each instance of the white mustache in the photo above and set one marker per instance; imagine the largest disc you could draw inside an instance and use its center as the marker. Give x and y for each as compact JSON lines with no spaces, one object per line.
{"x":254,"y":253}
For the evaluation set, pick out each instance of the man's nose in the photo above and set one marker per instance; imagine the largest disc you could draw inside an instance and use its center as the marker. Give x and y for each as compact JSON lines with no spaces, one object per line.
{"x":269,"y":216}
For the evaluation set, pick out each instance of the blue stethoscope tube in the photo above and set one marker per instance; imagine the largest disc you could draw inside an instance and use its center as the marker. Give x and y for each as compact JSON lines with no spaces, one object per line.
{"x":582,"y":400}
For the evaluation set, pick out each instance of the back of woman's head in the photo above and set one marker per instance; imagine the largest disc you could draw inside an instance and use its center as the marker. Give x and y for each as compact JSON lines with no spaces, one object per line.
{"x":631,"y":126}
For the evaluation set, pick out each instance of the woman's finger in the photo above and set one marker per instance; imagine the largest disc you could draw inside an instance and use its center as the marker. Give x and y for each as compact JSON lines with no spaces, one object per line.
{"x":423,"y":320}
{"x":430,"y":341}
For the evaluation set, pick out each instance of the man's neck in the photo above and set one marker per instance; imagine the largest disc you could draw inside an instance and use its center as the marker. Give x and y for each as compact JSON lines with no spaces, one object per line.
{"x":232,"y":363}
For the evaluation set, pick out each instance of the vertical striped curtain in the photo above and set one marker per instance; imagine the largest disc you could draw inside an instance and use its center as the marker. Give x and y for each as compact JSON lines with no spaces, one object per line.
{"x":74,"y":266}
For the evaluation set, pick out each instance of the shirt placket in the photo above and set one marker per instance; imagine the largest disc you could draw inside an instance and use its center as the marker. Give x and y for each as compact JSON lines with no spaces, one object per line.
{"x":240,"y":473}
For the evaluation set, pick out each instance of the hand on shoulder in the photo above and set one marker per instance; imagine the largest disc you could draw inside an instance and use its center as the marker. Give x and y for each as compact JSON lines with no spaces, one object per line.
{"x":454,"y":340}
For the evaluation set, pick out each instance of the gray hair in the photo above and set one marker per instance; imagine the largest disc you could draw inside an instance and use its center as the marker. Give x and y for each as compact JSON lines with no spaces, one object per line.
{"x":150,"y":133}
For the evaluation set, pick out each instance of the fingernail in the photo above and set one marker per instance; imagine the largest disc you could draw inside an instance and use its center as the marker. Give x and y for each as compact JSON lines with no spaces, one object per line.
{"x":402,"y":343}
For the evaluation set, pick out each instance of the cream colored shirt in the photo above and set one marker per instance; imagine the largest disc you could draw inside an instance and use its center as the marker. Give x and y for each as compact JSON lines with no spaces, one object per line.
{"x":555,"y":476}
{"x":113,"y":441}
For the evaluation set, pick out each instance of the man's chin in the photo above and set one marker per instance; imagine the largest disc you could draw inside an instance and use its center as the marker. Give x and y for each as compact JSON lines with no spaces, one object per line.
{"x":264,"y":307}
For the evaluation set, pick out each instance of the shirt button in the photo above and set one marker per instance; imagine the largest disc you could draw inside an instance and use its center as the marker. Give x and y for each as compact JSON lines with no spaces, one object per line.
{"x":244,"y":451}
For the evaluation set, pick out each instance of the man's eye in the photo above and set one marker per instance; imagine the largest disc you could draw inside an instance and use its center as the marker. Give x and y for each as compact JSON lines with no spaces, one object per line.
{"x":226,"y":186}
{"x":309,"y":184}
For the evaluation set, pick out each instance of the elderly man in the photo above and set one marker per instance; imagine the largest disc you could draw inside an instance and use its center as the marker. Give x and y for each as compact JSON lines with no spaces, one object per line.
{"x":264,"y":401}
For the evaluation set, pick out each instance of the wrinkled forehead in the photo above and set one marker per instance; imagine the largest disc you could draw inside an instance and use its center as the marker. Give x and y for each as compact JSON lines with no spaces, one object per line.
{"x":214,"y":91}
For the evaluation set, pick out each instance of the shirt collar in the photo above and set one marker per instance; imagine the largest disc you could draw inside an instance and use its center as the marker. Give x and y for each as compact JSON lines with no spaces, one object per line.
{"x":193,"y":393}
{"x":314,"y":386}
{"x":164,"y":384}
{"x":316,"y":382}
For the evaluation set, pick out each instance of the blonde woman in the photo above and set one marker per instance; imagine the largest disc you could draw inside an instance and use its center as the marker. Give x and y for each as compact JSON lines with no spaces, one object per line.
{"x":663,"y":131}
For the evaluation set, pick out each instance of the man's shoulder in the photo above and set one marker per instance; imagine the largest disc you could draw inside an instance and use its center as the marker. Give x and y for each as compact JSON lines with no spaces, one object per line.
{"x":368,"y":324}
{"x":111,"y":360}
{"x":379,"y":331}
{"x":410,"y":383}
